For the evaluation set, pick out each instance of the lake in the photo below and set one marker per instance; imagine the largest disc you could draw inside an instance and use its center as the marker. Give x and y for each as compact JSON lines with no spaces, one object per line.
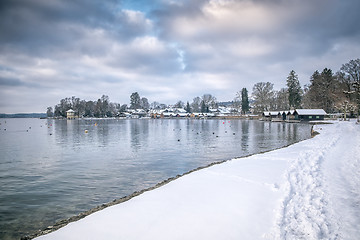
{"x":53,"y":169}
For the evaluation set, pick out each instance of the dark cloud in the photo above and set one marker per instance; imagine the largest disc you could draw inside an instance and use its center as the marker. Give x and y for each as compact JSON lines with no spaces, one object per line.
{"x":283,"y":29}
{"x":38,"y":27}
{"x":167,"y":50}
{"x":4,"y":81}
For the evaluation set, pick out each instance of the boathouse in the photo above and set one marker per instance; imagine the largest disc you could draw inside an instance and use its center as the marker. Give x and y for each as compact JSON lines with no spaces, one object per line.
{"x":309,"y":114}
{"x":290,"y":115}
{"x":270,"y":116}
{"x":70,"y":114}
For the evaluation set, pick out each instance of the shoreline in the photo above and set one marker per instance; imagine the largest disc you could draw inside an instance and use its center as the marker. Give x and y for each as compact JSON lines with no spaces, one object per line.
{"x":308,"y":189}
{"x":62,"y":223}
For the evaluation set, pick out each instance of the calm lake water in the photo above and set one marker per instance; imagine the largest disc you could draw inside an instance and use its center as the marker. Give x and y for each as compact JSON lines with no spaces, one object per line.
{"x":52,"y":169}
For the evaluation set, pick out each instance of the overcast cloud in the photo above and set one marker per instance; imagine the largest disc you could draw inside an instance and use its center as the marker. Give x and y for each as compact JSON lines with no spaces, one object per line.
{"x":167,"y":50}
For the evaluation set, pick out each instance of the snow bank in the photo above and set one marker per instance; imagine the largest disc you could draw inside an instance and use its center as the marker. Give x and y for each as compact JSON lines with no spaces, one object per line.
{"x":310,"y":190}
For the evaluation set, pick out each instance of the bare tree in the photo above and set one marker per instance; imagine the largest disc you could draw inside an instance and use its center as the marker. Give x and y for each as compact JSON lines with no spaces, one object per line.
{"x":351,"y":77}
{"x":263,"y":95}
{"x":179,"y":104}
{"x":195,"y":105}
{"x":49,"y":112}
{"x":282,"y":99}
{"x":209,"y":100}
{"x":144,"y":103}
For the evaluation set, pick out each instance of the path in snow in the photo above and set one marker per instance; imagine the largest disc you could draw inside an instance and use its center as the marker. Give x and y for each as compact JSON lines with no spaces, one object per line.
{"x":323,"y":187}
{"x":342,"y":178}
{"x":310,"y":190}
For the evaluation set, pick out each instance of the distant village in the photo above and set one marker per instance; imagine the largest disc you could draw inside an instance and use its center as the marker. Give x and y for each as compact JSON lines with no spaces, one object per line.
{"x":222,"y":112}
{"x":174,"y":112}
{"x":328,"y":94}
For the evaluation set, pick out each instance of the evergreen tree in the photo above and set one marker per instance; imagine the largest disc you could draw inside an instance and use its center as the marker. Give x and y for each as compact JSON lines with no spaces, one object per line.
{"x":135,"y":101}
{"x":322,"y":89}
{"x":203,"y":107}
{"x":294,"y":90}
{"x":188,"y":108}
{"x":244,"y":101}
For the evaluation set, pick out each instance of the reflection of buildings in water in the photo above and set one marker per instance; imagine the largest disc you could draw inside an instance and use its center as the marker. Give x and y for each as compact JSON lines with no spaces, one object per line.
{"x":101,"y":130}
{"x":245,"y":143}
{"x":139,"y":133}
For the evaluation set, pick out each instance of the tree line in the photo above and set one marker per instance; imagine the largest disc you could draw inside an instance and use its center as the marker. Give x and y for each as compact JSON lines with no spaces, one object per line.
{"x":330,"y":91}
{"x":333,"y":92}
{"x":103,"y":107}
{"x":100,"y":108}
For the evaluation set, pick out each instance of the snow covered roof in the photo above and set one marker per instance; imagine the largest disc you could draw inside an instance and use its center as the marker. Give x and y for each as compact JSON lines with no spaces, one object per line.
{"x":70,"y":111}
{"x":290,"y":112}
{"x":180,"y":110}
{"x":268,"y":114}
{"x":310,"y":111}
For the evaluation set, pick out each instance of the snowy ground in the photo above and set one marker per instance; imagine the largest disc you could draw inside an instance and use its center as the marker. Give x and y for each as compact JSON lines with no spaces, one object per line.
{"x":310,"y":190}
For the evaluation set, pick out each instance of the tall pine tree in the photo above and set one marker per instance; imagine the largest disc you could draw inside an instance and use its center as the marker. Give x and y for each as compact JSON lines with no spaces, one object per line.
{"x":294,"y":90}
{"x":244,"y":101}
{"x":188,"y":108}
{"x":322,"y":90}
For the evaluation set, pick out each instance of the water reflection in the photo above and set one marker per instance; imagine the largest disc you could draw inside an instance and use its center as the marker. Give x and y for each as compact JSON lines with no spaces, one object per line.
{"x":245,"y":136}
{"x":56,"y":169}
{"x":139,"y":133}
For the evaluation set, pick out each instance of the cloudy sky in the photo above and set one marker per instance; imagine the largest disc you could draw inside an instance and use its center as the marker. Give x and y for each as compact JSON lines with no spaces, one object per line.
{"x":167,"y":50}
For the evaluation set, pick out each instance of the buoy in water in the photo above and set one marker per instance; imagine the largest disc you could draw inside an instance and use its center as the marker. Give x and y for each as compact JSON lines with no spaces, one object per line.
{"x":86,"y":131}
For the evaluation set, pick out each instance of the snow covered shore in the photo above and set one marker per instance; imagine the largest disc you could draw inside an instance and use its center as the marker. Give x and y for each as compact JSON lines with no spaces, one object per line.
{"x":309,"y":190}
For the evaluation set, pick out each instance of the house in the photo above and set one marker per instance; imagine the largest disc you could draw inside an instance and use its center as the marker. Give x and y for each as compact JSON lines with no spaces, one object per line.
{"x":290,"y":116}
{"x":138,"y":113}
{"x":309,"y":114}
{"x":70,"y":114}
{"x":296,"y":115}
{"x":270,"y":116}
{"x":277,"y":116}
{"x":282,"y":115}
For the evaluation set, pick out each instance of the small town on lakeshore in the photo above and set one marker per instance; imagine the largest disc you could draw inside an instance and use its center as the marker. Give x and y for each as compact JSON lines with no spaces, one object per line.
{"x":163,"y":119}
{"x":328,"y":95}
